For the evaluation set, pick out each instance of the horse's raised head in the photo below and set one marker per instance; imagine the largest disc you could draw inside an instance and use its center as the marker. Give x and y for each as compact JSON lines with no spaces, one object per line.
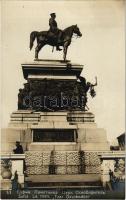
{"x":76,"y":30}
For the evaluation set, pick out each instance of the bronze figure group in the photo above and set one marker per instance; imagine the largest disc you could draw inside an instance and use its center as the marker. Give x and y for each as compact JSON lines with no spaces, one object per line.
{"x":54,"y":37}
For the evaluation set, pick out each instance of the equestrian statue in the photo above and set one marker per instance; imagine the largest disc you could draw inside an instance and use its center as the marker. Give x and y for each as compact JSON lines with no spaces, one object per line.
{"x":54,"y":37}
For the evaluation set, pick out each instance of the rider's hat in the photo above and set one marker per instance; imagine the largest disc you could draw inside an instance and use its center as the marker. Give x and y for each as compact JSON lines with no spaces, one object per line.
{"x":53,"y":14}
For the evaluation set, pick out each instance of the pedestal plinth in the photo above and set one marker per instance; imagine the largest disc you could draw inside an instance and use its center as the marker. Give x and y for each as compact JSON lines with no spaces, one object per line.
{"x":52,"y":123}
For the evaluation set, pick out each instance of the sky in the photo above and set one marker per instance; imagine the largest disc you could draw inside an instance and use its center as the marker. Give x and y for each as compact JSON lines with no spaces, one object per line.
{"x":100,"y":50}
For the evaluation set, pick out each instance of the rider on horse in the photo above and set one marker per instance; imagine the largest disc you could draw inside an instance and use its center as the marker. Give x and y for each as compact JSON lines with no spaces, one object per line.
{"x":54,"y":29}
{"x":54,"y":37}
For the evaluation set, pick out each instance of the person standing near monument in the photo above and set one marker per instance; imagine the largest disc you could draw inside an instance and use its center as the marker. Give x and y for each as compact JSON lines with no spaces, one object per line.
{"x":19,"y":148}
{"x":54,"y":29}
{"x":15,"y":184}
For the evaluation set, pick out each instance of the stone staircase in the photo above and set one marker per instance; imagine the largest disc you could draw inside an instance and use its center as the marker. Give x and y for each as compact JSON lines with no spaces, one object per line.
{"x":78,"y":180}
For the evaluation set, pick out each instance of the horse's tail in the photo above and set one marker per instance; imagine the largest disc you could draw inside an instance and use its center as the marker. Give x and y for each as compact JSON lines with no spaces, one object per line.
{"x":32,"y":38}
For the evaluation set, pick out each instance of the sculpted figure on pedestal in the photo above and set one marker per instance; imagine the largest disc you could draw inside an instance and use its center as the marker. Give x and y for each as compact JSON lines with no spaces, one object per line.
{"x":54,"y":37}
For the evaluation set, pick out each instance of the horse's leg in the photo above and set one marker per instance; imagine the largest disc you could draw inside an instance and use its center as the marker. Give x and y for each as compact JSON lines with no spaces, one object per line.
{"x":65,"y":51}
{"x":38,"y":48}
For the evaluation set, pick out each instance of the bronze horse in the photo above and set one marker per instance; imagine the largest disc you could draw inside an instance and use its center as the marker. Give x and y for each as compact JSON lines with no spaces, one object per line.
{"x":46,"y":37}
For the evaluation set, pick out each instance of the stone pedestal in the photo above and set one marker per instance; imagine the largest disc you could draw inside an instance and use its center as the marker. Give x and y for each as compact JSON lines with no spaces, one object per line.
{"x":108,"y":161}
{"x":105,"y":177}
{"x":17,"y":164}
{"x":52,"y":123}
{"x":87,"y":136}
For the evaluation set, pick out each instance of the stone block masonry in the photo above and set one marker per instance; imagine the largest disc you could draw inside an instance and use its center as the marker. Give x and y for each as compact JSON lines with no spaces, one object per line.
{"x":65,"y":162}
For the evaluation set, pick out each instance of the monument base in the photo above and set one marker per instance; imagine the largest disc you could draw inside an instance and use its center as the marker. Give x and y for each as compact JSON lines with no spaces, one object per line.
{"x":59,"y":138}
{"x":74,"y":130}
{"x":60,"y":143}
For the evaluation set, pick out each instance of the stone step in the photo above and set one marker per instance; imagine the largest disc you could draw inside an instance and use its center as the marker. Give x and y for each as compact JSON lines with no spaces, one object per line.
{"x":93,"y":185}
{"x":69,"y":179}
